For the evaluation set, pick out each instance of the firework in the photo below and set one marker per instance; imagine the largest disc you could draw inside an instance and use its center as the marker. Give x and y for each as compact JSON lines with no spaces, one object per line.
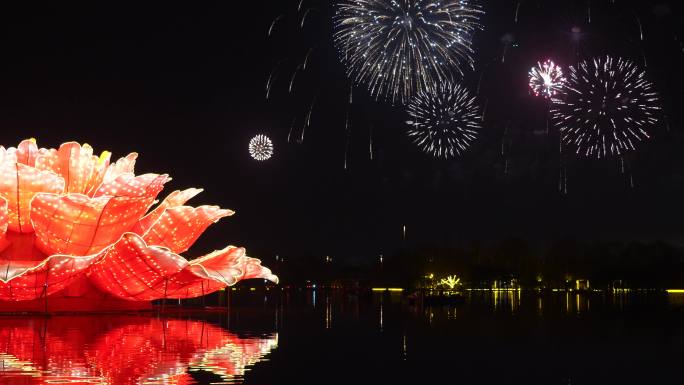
{"x":400,"y":47}
{"x":445,"y":122}
{"x":261,"y":147}
{"x":607,"y":107}
{"x":546,"y":79}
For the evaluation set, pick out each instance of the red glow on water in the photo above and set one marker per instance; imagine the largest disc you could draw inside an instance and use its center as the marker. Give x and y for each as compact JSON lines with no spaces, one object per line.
{"x":122,"y":350}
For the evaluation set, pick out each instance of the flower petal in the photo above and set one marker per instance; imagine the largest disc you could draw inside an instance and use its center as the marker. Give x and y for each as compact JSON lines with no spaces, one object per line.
{"x":216,"y":271}
{"x":19,"y":184}
{"x":99,"y":173}
{"x":207,"y":274}
{"x":179,"y":227}
{"x":175,"y":199}
{"x":75,"y":163}
{"x":122,"y":166}
{"x":4,"y":221}
{"x":133,"y":270}
{"x":252,"y":269}
{"x":129,"y":185}
{"x":28,"y":280}
{"x":27,"y":152}
{"x":75,"y":224}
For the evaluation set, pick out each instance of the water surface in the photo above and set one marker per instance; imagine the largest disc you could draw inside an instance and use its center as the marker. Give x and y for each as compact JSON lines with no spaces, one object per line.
{"x":319,"y":337}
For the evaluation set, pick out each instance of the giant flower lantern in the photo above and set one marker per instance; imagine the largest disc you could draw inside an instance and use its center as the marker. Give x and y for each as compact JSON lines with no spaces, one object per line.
{"x":79,"y":233}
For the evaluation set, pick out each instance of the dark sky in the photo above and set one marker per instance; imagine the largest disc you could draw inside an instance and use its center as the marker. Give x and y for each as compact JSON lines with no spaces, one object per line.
{"x":184,"y":84}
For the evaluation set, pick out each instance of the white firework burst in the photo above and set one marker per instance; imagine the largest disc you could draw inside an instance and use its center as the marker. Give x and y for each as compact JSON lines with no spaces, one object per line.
{"x":607,"y":107}
{"x":546,"y":79}
{"x":445,"y":122}
{"x":400,"y":47}
{"x":261,"y":148}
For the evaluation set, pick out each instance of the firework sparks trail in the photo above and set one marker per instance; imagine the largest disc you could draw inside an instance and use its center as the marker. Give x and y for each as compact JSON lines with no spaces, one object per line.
{"x":370,"y":141}
{"x":589,"y":11}
{"x":306,"y":13}
{"x":503,"y":139}
{"x":484,"y":109}
{"x":641,"y":29}
{"x":289,"y":134}
{"x":563,"y":172}
{"x":507,"y":40}
{"x":271,"y":78}
{"x":273,"y":24}
{"x":306,"y":58}
{"x":346,"y":145}
{"x":292,"y":79}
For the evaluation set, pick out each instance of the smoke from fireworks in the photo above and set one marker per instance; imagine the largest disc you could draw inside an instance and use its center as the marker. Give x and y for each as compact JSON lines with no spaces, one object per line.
{"x":607,"y":108}
{"x":261,"y":148}
{"x":445,"y":122}
{"x":546,"y":79}
{"x":400,"y":47}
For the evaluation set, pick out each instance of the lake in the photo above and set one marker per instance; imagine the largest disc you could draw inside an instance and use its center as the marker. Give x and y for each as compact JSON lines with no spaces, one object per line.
{"x":328,"y":337}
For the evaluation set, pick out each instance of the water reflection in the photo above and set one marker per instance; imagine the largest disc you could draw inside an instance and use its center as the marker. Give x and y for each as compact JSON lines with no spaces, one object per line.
{"x":124,"y":350}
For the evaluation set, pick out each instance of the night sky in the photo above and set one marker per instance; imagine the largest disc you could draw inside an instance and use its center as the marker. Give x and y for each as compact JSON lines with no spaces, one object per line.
{"x":184,"y":85}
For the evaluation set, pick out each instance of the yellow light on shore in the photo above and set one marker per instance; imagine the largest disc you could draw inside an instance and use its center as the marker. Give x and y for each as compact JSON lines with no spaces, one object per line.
{"x":675,"y":291}
{"x":394,"y":289}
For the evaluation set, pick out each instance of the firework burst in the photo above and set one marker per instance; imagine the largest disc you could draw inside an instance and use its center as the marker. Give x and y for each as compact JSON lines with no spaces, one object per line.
{"x":546,"y":79}
{"x":445,"y":122}
{"x":400,"y":47}
{"x":607,"y":107}
{"x":261,"y":148}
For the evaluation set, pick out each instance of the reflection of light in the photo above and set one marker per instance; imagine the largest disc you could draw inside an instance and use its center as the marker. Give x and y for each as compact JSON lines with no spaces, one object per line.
{"x":404,"y":346}
{"x":393,"y":289}
{"x":125,"y":349}
{"x":493,"y":290}
{"x":328,"y":312}
{"x":381,"y":316}
{"x":540,"y":306}
{"x":240,"y":359}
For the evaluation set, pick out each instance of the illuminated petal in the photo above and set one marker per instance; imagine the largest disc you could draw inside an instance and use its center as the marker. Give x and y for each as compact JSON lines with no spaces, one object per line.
{"x":179,"y":227}
{"x":207,"y":274}
{"x":122,"y":166}
{"x":4,"y":220}
{"x":129,"y":185}
{"x":28,"y":280}
{"x":210,"y":273}
{"x":98,"y":175}
{"x":75,"y":163}
{"x":135,"y":271}
{"x":27,"y":152}
{"x":175,"y":199}
{"x":252,"y":269}
{"x":19,"y":183}
{"x":75,"y":224}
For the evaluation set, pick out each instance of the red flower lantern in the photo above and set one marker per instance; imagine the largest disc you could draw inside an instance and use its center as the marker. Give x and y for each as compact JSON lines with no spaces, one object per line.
{"x":77,"y":233}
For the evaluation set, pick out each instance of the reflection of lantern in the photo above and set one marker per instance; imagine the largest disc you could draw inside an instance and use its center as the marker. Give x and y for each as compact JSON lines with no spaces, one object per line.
{"x":76,"y":234}
{"x":124,"y":349}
